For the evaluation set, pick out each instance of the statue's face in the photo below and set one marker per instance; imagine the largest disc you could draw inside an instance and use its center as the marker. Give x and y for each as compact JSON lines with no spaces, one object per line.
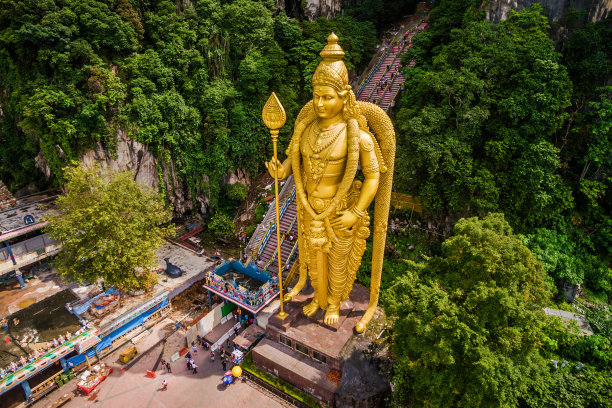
{"x":327,"y":102}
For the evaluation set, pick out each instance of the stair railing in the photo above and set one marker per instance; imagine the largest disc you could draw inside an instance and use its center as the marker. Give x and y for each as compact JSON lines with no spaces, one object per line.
{"x":273,"y":257}
{"x":393,"y":78}
{"x":366,"y":80}
{"x":272,"y":227}
{"x":295,"y":246}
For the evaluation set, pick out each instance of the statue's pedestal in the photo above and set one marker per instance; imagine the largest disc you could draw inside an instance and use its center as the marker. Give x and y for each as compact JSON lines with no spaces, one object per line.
{"x":306,"y":352}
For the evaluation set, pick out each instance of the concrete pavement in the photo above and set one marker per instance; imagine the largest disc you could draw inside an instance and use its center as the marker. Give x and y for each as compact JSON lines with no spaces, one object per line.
{"x":133,"y":389}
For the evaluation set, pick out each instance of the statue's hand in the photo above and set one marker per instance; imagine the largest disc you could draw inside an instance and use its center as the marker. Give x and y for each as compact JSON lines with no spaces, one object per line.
{"x":272,"y":166}
{"x":346,"y":219}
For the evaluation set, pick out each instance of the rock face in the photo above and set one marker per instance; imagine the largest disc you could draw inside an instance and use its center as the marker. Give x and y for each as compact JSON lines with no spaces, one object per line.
{"x":321,"y":8}
{"x":554,"y":9}
{"x":6,"y":198}
{"x":135,"y":156}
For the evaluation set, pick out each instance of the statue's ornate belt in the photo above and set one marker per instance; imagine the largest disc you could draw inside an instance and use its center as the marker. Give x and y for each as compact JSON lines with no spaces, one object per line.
{"x":319,"y":204}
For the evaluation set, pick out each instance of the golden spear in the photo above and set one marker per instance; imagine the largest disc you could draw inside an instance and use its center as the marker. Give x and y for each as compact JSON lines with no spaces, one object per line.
{"x":274,"y":117}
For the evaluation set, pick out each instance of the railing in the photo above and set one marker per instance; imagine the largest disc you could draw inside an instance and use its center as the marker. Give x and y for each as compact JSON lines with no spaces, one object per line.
{"x":393,"y":78}
{"x":294,"y":268}
{"x":272,"y":228}
{"x":375,"y":67}
{"x":271,"y":260}
{"x":366,"y":80}
{"x":295,"y":247}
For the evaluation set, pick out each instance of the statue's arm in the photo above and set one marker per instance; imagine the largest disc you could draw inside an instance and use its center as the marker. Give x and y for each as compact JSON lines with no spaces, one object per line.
{"x":371,"y":173}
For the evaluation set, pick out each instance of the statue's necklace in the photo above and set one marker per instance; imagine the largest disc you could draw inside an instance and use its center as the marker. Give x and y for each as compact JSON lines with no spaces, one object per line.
{"x":319,"y":141}
{"x":316,"y":163}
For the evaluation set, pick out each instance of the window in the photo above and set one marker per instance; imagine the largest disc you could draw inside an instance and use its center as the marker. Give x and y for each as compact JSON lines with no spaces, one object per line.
{"x":285,"y":340}
{"x":319,"y":357}
{"x":302,"y":349}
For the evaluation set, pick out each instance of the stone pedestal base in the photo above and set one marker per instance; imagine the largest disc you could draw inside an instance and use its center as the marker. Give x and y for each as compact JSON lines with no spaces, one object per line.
{"x":306,"y":352}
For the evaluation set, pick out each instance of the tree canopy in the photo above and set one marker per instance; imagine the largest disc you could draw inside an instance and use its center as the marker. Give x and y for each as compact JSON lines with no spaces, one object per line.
{"x":189,"y":80}
{"x":468,"y":323}
{"x":110,"y":227}
{"x":480,"y":122}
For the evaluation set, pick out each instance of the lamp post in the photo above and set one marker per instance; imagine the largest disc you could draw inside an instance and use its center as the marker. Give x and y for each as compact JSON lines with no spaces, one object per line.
{"x":274,"y":118}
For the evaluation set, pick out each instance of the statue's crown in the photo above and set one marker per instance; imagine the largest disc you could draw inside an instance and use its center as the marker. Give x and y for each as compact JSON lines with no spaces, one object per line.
{"x":331,"y":71}
{"x":332,"y":51}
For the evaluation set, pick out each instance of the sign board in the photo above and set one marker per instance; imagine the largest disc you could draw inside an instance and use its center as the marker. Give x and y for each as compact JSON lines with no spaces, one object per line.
{"x":404,"y":201}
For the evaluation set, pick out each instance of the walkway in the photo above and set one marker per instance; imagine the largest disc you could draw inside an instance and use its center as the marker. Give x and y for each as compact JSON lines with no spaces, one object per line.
{"x":384,"y":81}
{"x":135,"y":390}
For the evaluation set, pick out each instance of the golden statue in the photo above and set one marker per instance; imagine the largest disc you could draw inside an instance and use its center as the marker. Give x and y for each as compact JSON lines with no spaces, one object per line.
{"x":334,"y":134}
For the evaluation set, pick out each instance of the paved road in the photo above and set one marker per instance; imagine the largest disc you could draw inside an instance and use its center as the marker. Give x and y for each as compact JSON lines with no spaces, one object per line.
{"x":133,"y":389}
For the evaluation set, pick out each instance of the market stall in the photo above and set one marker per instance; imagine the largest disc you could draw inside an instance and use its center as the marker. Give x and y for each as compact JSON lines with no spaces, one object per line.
{"x":91,"y":379}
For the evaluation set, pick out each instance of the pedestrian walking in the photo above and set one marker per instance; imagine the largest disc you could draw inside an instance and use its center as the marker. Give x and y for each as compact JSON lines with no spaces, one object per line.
{"x":195,"y":368}
{"x":195,"y":350}
{"x":221,"y":351}
{"x":189,"y":364}
{"x":169,"y":368}
{"x":206,"y":346}
{"x":212,"y":355}
{"x":164,"y":385}
{"x":224,"y":364}
{"x":229,"y":344}
{"x":163,"y":363}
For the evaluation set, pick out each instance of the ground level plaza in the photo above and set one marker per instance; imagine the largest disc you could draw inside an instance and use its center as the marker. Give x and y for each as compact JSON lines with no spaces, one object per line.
{"x":134,"y":389}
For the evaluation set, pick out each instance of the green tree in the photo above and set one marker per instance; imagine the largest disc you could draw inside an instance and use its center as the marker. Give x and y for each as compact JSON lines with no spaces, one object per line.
{"x":110,"y":227}
{"x":236,"y":192}
{"x":468,"y":323}
{"x":222,"y":226}
{"x":480,"y":122}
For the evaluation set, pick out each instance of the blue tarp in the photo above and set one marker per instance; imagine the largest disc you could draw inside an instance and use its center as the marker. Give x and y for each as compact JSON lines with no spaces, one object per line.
{"x":80,"y":309}
{"x":115,"y":334}
{"x":249,"y":270}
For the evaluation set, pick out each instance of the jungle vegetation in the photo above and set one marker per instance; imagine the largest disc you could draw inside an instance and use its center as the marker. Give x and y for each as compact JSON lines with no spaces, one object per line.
{"x":496,"y":118}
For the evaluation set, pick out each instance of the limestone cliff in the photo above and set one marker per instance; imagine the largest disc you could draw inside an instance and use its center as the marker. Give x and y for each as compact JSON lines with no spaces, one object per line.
{"x":312,"y":9}
{"x":150,"y":171}
{"x":596,"y":10}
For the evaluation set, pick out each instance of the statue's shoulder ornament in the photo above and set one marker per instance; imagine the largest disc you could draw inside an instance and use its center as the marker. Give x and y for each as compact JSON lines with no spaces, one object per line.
{"x":366,"y":141}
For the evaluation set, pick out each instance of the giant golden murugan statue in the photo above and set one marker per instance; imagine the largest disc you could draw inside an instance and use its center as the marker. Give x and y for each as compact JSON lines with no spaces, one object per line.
{"x":333,"y":136}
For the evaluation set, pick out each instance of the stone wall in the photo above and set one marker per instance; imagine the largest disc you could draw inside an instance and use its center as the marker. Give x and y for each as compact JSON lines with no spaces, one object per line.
{"x":321,"y":8}
{"x":596,"y":10}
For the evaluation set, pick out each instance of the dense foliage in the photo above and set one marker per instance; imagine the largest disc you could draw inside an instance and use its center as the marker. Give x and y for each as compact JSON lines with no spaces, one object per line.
{"x":494,"y":119}
{"x":469,"y":321}
{"x":187,"y":79}
{"x":497,"y":120}
{"x":110,"y":227}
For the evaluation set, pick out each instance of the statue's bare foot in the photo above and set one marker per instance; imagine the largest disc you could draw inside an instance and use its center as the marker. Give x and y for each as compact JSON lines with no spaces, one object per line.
{"x":332,"y":315}
{"x":289,"y":296}
{"x":311,"y":308}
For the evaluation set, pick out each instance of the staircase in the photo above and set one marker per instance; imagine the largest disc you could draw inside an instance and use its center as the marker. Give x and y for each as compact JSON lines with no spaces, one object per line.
{"x":263,"y":229}
{"x":388,"y":68}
